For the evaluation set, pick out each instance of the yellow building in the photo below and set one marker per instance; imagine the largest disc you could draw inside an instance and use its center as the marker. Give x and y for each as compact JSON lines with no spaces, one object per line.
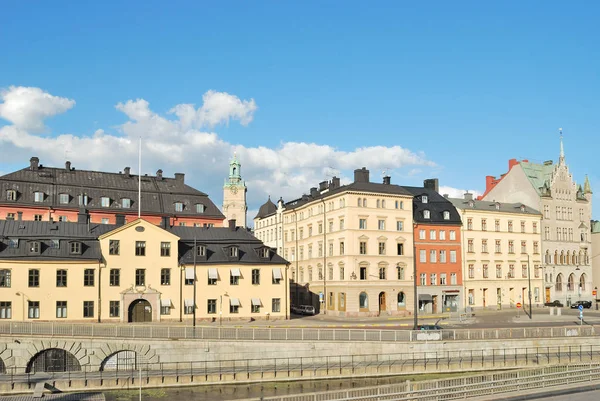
{"x":501,"y":245}
{"x":350,"y":247}
{"x":137,"y":272}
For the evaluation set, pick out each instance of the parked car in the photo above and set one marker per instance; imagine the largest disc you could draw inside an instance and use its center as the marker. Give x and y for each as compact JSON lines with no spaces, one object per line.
{"x":429,"y":327}
{"x":554,"y":303}
{"x":585,"y":304}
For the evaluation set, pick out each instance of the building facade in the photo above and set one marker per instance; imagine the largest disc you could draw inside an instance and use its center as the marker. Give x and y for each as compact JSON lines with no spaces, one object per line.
{"x":502,"y":257}
{"x":595,"y":259}
{"x":566,"y":209}
{"x":137,"y":272}
{"x":268,"y":224}
{"x":350,"y":247}
{"x":40,"y":193}
{"x":437,"y":239}
{"x":234,"y":195}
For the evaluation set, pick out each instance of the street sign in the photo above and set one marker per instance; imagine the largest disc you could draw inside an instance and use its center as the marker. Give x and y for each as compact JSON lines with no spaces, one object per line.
{"x":519,"y":305}
{"x":580,"y":308}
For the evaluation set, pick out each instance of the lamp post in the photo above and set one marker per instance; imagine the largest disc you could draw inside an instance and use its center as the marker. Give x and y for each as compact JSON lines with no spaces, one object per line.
{"x":194,"y":310}
{"x":529,"y":287}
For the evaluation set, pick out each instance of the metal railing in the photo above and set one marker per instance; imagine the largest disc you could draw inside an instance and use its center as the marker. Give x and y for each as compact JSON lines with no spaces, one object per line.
{"x":52,"y":329}
{"x":488,"y":385}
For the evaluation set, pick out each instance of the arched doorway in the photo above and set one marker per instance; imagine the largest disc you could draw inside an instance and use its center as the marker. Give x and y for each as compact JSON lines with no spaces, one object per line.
{"x":2,"y":366}
{"x":382,"y":307}
{"x":53,"y":360}
{"x":140,"y":311}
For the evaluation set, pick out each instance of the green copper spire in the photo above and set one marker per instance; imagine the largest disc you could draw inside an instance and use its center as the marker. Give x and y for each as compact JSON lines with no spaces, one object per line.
{"x":587,"y":188}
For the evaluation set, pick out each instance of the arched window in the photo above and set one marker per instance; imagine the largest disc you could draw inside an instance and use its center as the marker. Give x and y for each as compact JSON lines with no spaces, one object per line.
{"x":555,"y":257}
{"x":401,"y":300}
{"x":582,"y":282}
{"x":547,"y":257}
{"x":562,"y":257}
{"x":559,"y":280}
{"x":571,"y":282}
{"x":568,"y":258}
{"x":383,"y":204}
{"x":364,"y":202}
{"x":378,"y":203}
{"x":363,"y":300}
{"x":359,"y":202}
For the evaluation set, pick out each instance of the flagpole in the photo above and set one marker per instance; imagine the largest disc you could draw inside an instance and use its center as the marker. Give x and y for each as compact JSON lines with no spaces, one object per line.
{"x":140,"y":180}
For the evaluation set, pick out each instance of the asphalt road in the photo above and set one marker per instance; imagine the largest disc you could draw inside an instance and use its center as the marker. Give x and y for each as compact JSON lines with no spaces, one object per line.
{"x":583,"y":396}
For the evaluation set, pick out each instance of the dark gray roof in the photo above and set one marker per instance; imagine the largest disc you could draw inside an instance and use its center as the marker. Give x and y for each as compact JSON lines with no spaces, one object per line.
{"x":436,"y":204}
{"x":159,"y":194}
{"x":373,"y":187}
{"x":491,"y":206}
{"x":267,"y":209}
{"x":217,"y":241}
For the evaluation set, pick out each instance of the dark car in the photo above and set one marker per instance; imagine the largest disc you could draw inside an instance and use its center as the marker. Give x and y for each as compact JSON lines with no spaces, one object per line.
{"x":429,"y":327}
{"x":554,"y":303}
{"x":585,"y":304}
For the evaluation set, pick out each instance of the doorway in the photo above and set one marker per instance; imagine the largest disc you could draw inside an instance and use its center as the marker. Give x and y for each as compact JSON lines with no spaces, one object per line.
{"x":484,"y":294}
{"x":434,"y":304}
{"x":382,"y":307}
{"x":140,"y":311}
{"x":547,"y":295}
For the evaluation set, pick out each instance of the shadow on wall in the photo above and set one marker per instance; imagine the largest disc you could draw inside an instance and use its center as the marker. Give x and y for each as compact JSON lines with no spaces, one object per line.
{"x":302,"y":295}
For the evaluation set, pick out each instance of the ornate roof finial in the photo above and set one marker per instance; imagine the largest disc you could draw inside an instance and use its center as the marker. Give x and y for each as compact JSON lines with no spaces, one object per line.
{"x":562,"y":149}
{"x":587,"y":188}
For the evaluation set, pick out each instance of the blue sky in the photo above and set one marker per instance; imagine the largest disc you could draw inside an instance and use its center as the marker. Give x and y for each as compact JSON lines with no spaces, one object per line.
{"x":463,"y":86}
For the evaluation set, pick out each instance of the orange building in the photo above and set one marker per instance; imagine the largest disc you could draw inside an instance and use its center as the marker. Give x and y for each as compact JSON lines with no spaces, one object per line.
{"x":43,"y":193}
{"x":437,"y":239}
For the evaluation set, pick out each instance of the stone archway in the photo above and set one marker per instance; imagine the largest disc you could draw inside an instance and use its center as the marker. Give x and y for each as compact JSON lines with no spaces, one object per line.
{"x":123,"y":351}
{"x":53,"y":360}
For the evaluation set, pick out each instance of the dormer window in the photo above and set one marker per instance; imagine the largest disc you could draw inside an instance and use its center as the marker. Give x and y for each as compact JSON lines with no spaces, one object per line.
{"x":34,"y":248}
{"x":13,"y":243}
{"x":446,"y":215}
{"x":54,"y":244}
{"x":201,"y":251}
{"x":63,"y":199}
{"x":125,"y":203}
{"x":471,"y":204}
{"x":426,"y":214}
{"x":105,"y":201}
{"x":11,"y":195}
{"x":233,"y":252}
{"x":424,"y":199}
{"x":265,"y":253}
{"x":82,"y":200}
{"x":38,"y":196}
{"x":199,"y":208}
{"x":75,"y":248}
{"x":522,"y":208}
{"x":178,"y":206}
{"x":497,"y":206}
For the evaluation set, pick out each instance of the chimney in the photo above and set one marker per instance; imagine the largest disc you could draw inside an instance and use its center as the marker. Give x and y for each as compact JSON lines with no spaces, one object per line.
{"x":512,"y":163}
{"x":120,"y":219}
{"x":313,"y":192}
{"x":127,"y":171}
{"x":304,"y":197}
{"x":19,"y":216}
{"x":361,"y":175}
{"x":166,"y":222}
{"x":446,"y":196}
{"x":68,"y":166}
{"x":335,"y":183}
{"x":159,"y":174}
{"x":322,"y":186}
{"x":179,"y":176}
{"x":34,"y":163}
{"x":232,"y":224}
{"x":432,"y":183}
{"x":82,"y":216}
{"x":387,"y":180}
{"x":468,"y":196}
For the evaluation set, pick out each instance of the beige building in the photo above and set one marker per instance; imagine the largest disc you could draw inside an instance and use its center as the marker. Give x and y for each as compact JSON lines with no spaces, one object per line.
{"x":567,"y":210}
{"x":350,"y":247}
{"x":268,"y":225}
{"x":501,"y":253}
{"x":595,"y":259}
{"x":137,"y":272}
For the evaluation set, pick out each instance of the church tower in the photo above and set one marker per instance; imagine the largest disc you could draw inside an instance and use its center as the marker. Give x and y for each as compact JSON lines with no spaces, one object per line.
{"x":234,"y":195}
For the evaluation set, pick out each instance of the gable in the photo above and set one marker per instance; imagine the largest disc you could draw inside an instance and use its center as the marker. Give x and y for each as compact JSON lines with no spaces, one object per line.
{"x":515,"y":187}
{"x":139,"y":226}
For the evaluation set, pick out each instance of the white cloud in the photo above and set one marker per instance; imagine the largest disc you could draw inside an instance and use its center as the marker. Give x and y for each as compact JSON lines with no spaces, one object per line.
{"x":458,"y":193}
{"x":27,"y":107}
{"x":181,"y":144}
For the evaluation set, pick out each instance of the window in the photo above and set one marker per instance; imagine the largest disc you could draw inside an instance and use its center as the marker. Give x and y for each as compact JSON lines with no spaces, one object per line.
{"x":471,"y":297}
{"x":511,"y":246}
{"x":524,"y":271}
{"x":33,"y":309}
{"x":140,"y":248}
{"x":522,"y":226}
{"x":61,"y":309}
{"x":82,"y":199}
{"x":382,"y":248}
{"x":498,"y":271}
{"x":363,"y":300}
{"x":5,"y":310}
{"x":5,"y":276}
{"x":362,"y":224}
{"x":452,"y":235}
{"x":421,"y":234}
{"x":511,"y":271}
{"x":433,"y":279}
{"x":165,"y":276}
{"x":63,"y":218}
{"x":498,"y":247}
{"x":126,"y":203}
{"x":113,"y":247}
{"x":11,"y":195}
{"x":363,"y":273}
{"x":470,"y":247}
{"x":140,"y":277}
{"x":55,"y":244}
{"x":182,"y":224}
{"x":330,"y":228}
{"x":452,"y":256}
{"x":442,"y":256}
{"x":483,"y":224}
{"x":105,"y":201}
{"x":381,"y":224}
{"x":276,"y":304}
{"x":536,"y":247}
{"x":105,"y":220}
{"x":469,"y":224}
{"x":178,"y":207}
{"x":75,"y":248}
{"x":484,"y":247}
{"x":453,"y":279}
{"x":320,"y":230}
{"x":363,"y":248}
{"x":341,"y":247}
{"x":432,"y":256}
{"x":446,"y":215}
{"x":233,"y":251}
{"x":212,"y":276}
{"x":165,"y":249}
{"x":471,"y":271}
{"x":485,"y":270}
{"x":331,"y":249}
{"x":546,"y":211}
{"x":382,"y":273}
{"x":523,"y":246}
{"x":114,"y":278}
{"x":342,"y":274}
{"x":442,"y":235}
{"x":88,"y":277}
{"x":234,"y":278}
{"x":37,"y":217}
{"x":34,"y":247}
{"x":114,"y":308}
{"x":399,"y":226}
{"x":61,"y":278}
{"x":255,"y":276}
{"x":432,"y":234}
{"x":200,"y":250}
{"x":88,"y":308}
{"x":211,"y":306}
{"x":400,"y":249}
{"x":400,"y":273}
{"x":426,"y":214}
{"x":422,"y":256}
{"x":34,"y":278}
{"x":341,"y":224}
{"x":510,"y":226}
{"x":442,"y":278}
{"x":38,"y":197}
{"x":497,"y":225}
{"x":424,"y":199}
{"x":10,"y":216}
{"x":423,"y":279}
